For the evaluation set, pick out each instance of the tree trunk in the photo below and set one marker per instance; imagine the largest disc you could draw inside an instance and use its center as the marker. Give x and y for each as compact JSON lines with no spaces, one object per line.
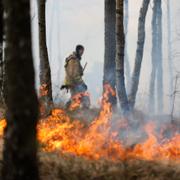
{"x":154,"y":60}
{"x":51,"y":27}
{"x":170,"y":60}
{"x":159,"y":62}
{"x":139,"y":53}
{"x":1,"y":53}
{"x":46,"y":99}
{"x":20,"y":146}
{"x":126,"y":57}
{"x":120,"y":43}
{"x":110,"y":47}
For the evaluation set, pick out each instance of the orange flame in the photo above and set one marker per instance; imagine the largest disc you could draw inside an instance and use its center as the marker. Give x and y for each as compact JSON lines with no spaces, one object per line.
{"x":2,"y":126}
{"x":59,"y":132}
{"x":43,"y":90}
{"x":76,"y":100}
{"x":152,"y":150}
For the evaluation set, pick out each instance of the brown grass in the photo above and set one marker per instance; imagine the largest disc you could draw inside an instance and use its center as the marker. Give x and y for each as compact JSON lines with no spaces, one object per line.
{"x":54,"y":166}
{"x":67,"y":167}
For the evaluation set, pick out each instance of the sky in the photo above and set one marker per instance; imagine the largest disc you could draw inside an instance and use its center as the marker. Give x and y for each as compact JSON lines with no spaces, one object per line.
{"x":72,"y":22}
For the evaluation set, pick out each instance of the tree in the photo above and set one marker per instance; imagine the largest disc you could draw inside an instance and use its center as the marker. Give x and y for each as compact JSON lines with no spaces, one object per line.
{"x":157,"y":70}
{"x":120,"y":45}
{"x":45,"y":71}
{"x":1,"y":52}
{"x":110,"y":47}
{"x":170,"y":60}
{"x":139,"y":53}
{"x":20,"y":146}
{"x":153,"y":60}
{"x":126,"y":58}
{"x":159,"y":58}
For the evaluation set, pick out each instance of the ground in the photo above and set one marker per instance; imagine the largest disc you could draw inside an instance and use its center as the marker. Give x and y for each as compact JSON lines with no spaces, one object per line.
{"x":54,"y":166}
{"x":67,"y":167}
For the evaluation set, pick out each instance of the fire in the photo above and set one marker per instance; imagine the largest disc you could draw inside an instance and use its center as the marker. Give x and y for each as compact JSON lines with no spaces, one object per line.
{"x":95,"y":141}
{"x":2,"y":126}
{"x":151,"y":149}
{"x":43,"y":90}
{"x":60,"y":133}
{"x":76,"y":100}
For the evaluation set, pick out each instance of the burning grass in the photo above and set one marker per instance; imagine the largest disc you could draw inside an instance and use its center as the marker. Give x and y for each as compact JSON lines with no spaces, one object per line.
{"x":108,"y":147}
{"x":98,"y":140}
{"x":68,"y":167}
{"x":108,"y":137}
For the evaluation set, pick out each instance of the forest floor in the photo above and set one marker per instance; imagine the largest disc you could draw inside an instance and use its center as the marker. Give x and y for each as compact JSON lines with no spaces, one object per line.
{"x":67,"y":167}
{"x":57,"y":166}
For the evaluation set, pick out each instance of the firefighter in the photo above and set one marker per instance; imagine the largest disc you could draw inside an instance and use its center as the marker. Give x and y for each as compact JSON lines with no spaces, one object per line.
{"x":73,"y":77}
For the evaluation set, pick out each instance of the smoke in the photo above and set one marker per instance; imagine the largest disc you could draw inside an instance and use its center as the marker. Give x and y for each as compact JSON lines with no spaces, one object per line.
{"x":70,"y":23}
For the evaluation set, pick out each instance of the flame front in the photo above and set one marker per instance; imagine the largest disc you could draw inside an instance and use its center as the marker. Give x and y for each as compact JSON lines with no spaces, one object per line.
{"x":76,"y":100}
{"x":2,"y":126}
{"x":59,"y":132}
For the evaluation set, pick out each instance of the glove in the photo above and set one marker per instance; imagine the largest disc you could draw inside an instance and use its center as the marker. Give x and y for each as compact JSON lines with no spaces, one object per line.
{"x":65,"y":87}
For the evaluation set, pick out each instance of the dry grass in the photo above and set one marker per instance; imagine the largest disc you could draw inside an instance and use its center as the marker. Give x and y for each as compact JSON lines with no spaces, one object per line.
{"x":61,"y":167}
{"x":54,"y":166}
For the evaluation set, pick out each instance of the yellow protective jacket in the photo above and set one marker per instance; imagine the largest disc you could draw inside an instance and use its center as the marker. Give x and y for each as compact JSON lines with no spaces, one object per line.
{"x":73,"y":70}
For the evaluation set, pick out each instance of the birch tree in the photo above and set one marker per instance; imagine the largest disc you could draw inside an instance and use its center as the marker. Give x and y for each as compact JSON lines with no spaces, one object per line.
{"x":159,"y":81}
{"x":139,"y":53}
{"x":126,"y":57}
{"x":170,"y":60}
{"x":153,"y":78}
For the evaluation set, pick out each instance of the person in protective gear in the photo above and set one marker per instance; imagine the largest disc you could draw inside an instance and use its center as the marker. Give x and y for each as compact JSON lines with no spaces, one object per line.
{"x":73,"y":78}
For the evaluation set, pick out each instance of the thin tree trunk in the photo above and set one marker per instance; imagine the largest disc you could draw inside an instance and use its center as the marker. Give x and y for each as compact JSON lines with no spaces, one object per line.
{"x":170,"y":60}
{"x":51,"y":27}
{"x":45,"y":71}
{"x":139,"y":53}
{"x":154,"y":61}
{"x":120,"y":45}
{"x":1,"y":52}
{"x":20,"y":146}
{"x":110,"y":47}
{"x":159,"y":62}
{"x":126,"y":57}
{"x":59,"y":46}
